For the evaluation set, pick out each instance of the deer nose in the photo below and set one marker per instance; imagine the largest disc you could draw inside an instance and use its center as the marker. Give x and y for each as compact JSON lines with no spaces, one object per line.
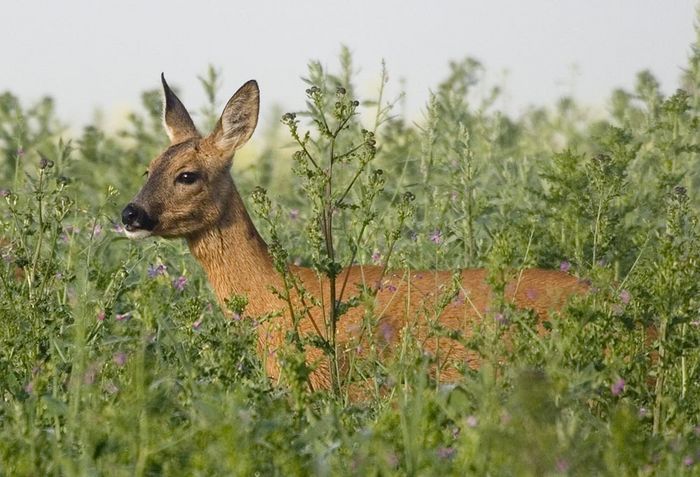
{"x":136,"y":217}
{"x":130,"y":214}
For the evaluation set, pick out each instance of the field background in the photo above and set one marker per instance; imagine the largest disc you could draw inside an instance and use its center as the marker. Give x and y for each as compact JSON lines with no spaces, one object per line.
{"x":115,"y":359}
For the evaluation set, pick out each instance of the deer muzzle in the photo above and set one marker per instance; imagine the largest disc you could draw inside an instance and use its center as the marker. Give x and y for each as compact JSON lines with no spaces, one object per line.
{"x":137,"y":222}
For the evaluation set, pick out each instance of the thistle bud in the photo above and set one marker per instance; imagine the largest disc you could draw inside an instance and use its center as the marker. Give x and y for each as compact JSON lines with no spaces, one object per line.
{"x":680,"y":192}
{"x":44,"y":162}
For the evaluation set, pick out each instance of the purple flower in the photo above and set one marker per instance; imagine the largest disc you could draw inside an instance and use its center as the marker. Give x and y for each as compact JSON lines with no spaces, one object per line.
{"x":197,"y":324}
{"x":123,"y":316}
{"x":390,"y":287}
{"x":153,"y":272}
{"x":376,"y":257}
{"x":472,"y":421}
{"x":236,"y":316}
{"x":617,"y":387}
{"x":625,"y":297}
{"x":436,"y":237}
{"x":387,"y":330}
{"x":96,"y":230}
{"x":446,"y":452}
{"x":562,"y":465}
{"x":118,"y":228}
{"x":101,"y":315}
{"x":500,"y":319}
{"x":119,"y":358}
{"x":688,"y":461}
{"x":564,"y":266}
{"x":179,"y":283}
{"x":294,"y":214}
{"x":4,"y":193}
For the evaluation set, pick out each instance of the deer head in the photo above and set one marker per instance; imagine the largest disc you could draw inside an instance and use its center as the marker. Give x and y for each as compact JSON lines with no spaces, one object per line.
{"x":190,"y":182}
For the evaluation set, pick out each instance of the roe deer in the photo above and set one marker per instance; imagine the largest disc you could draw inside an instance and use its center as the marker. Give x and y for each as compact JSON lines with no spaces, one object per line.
{"x":190,"y":193}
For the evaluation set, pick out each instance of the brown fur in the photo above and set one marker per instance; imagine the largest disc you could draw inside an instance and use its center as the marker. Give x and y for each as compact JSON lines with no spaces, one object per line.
{"x":211,"y":216}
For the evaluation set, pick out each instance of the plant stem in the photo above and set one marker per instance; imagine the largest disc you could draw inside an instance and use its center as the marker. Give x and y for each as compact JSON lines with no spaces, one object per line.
{"x":660,"y":377}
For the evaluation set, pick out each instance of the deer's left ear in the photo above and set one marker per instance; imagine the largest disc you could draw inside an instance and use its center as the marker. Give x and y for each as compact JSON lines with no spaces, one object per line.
{"x":177,"y":121}
{"x":238,"y":120}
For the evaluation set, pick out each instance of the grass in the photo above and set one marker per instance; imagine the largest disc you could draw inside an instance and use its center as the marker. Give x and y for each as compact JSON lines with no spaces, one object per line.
{"x":115,"y":359}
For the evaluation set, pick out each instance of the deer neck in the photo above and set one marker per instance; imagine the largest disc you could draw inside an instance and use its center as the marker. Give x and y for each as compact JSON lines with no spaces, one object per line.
{"x":236,"y":259}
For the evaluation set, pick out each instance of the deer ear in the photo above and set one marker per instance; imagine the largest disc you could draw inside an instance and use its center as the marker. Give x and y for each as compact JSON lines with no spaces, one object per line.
{"x":238,"y":120}
{"x":177,"y":121}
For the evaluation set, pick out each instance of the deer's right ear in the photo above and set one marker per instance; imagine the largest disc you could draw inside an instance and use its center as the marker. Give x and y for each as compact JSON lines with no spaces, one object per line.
{"x":177,"y":121}
{"x":238,"y":120}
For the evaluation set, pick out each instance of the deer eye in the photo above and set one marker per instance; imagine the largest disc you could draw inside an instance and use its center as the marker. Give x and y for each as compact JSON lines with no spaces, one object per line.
{"x":187,"y":177}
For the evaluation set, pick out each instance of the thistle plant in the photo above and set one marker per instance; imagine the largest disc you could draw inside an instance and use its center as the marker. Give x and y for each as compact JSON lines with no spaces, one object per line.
{"x":334,"y":165}
{"x":674,"y":306}
{"x":211,"y":84}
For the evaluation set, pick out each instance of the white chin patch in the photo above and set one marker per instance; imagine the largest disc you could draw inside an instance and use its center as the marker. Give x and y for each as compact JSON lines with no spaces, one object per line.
{"x":137,"y":234}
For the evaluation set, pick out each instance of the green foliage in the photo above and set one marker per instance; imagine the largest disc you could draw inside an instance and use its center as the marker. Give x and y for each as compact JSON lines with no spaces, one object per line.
{"x":115,"y":359}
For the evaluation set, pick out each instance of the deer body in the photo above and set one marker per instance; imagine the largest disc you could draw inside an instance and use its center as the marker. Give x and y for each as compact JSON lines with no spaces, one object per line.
{"x":190,"y":194}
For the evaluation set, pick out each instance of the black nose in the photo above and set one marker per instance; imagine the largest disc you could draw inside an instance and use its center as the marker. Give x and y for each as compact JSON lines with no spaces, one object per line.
{"x":130,"y":214}
{"x":135,"y":216}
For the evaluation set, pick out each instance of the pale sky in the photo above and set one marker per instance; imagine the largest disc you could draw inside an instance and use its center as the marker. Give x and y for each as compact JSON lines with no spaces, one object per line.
{"x":91,"y":54}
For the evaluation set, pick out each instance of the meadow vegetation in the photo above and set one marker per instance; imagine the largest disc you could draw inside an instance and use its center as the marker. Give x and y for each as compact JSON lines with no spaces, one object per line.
{"x":116,"y":360}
